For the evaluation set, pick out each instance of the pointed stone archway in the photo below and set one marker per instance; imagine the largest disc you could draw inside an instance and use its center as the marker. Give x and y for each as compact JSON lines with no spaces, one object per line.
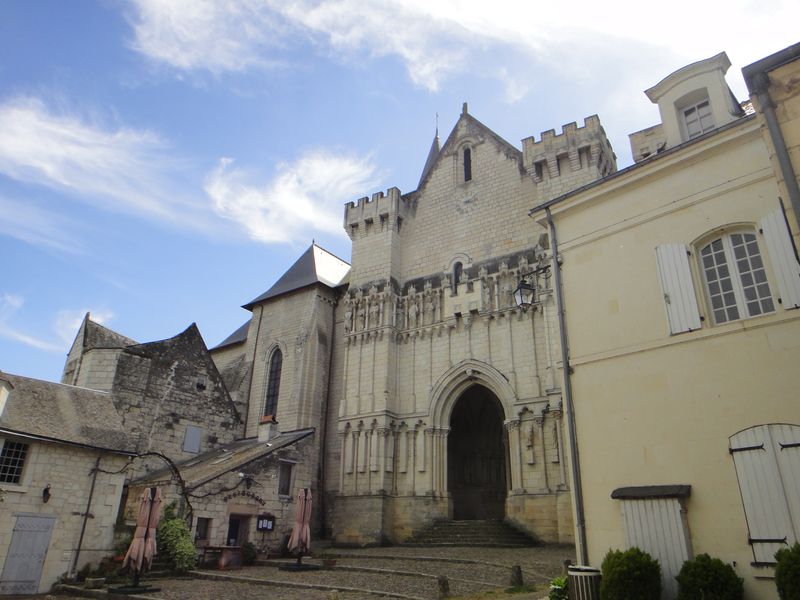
{"x":476,"y":456}
{"x":470,"y":404}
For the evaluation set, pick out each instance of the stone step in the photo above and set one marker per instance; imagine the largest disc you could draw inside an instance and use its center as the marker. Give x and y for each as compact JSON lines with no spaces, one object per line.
{"x":472,"y":533}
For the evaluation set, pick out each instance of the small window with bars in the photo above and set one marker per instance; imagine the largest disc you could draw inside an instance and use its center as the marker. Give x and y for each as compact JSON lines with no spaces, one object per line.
{"x":12,"y":461}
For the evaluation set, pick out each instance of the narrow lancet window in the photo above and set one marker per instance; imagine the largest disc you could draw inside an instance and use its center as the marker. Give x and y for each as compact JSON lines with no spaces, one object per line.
{"x":467,"y":164}
{"x":273,"y":383}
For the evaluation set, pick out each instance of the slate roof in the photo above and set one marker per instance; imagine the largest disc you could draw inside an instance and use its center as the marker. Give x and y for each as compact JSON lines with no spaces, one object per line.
{"x":315,"y":265}
{"x":237,"y":337}
{"x":214,"y":463}
{"x":433,"y":154}
{"x":63,"y":413}
{"x":98,"y":336}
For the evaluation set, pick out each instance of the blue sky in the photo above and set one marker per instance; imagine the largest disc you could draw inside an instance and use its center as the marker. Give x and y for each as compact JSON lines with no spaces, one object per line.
{"x":163,"y":162}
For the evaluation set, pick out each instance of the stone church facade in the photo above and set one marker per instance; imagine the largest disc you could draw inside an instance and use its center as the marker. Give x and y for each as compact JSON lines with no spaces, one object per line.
{"x":432,"y":394}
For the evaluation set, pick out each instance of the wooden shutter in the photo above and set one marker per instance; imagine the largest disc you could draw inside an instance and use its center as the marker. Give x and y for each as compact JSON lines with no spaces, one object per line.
{"x":676,"y":284}
{"x":767,"y":461}
{"x":658,"y":526}
{"x":782,"y":257}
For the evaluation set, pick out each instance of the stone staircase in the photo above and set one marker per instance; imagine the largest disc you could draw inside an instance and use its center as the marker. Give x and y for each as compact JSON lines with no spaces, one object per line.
{"x":493,"y":533}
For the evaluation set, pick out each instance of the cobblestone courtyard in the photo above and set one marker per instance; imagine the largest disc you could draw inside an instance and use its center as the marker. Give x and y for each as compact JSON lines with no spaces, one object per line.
{"x":400,"y":572}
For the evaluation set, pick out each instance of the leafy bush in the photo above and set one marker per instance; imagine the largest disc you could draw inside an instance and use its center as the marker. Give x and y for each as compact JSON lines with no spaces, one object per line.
{"x":787,"y":572}
{"x":630,"y":575}
{"x":558,"y":588}
{"x":249,"y":554}
{"x":706,"y":578}
{"x":175,"y":540}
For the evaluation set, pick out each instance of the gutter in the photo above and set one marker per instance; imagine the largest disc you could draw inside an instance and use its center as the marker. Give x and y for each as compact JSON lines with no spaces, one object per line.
{"x":569,"y":411}
{"x":758,"y":84}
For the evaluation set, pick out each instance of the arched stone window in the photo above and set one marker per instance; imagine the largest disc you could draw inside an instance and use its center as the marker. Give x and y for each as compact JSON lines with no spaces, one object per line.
{"x":273,"y":383}
{"x":467,"y":164}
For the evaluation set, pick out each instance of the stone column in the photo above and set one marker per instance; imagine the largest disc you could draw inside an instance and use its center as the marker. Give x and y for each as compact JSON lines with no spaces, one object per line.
{"x":512,"y":427}
{"x":559,"y":457}
{"x":539,"y":421}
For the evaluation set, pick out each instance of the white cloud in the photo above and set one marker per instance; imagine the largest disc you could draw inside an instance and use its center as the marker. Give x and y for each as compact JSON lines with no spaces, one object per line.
{"x":68,"y":321}
{"x":9,"y":305}
{"x":206,"y":34}
{"x":305,"y":196}
{"x":33,"y":225}
{"x":117,"y":169}
{"x":438,"y":39}
{"x":64,"y":326}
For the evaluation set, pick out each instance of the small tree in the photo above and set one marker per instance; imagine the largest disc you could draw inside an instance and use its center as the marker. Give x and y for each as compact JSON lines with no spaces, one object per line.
{"x":630,"y":575}
{"x":175,"y":540}
{"x":706,"y":578}
{"x":787,"y":572}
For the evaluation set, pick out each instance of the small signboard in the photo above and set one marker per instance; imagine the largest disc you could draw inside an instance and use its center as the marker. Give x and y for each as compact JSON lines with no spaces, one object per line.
{"x":265,"y":522}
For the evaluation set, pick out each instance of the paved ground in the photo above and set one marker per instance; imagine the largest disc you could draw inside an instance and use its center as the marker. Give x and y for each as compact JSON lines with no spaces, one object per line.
{"x":400,"y":572}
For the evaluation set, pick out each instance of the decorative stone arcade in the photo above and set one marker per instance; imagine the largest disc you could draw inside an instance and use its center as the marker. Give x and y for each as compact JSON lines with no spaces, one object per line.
{"x":477,"y":456}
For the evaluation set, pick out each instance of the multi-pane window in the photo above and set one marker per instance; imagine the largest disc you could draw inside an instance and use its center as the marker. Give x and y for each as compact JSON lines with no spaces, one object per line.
{"x":735,"y":279}
{"x":273,"y":383}
{"x":698,"y":119}
{"x":12,"y":460}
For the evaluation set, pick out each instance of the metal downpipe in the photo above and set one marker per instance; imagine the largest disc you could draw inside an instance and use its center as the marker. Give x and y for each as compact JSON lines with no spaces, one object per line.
{"x":761,"y":84}
{"x":569,"y":411}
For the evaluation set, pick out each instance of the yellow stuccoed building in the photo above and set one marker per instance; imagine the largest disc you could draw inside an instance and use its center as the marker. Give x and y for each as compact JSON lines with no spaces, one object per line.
{"x":681,"y":289}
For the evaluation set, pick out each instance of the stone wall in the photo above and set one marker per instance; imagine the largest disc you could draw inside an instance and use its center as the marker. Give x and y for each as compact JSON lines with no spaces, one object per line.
{"x":164,"y":387}
{"x":68,"y":472}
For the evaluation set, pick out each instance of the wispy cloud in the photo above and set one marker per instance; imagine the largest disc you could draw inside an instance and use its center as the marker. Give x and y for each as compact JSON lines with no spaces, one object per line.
{"x":68,"y":321}
{"x":39,"y":227}
{"x":305,"y":196}
{"x":438,"y":39}
{"x":9,"y":305}
{"x":117,"y":169}
{"x":206,"y":34}
{"x":64,"y":326}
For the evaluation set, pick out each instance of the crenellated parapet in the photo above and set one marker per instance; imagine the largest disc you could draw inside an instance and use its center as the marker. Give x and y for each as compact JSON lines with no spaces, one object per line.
{"x":382,"y":212}
{"x":574,"y":157}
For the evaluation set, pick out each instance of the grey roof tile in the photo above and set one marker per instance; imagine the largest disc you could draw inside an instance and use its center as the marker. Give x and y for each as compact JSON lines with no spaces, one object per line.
{"x":64,"y":413}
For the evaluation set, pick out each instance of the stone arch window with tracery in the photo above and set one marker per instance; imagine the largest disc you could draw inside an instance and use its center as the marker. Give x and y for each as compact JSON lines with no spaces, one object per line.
{"x":273,"y":383}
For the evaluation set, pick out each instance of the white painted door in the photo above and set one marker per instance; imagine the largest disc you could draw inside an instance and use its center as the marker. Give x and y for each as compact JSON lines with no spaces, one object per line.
{"x":23,"y":566}
{"x":658,"y":526}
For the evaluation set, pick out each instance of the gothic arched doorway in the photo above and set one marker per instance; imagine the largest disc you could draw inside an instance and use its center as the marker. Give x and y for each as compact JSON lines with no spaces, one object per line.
{"x":476,"y":456}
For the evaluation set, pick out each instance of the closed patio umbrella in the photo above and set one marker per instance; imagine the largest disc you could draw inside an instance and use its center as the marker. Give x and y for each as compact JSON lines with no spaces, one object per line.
{"x":300,"y":540}
{"x":143,"y":545}
{"x":136,"y":551}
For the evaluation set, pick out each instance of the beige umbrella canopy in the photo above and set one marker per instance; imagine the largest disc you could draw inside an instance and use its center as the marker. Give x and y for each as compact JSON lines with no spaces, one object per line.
{"x":300,"y":540}
{"x":143,"y":545}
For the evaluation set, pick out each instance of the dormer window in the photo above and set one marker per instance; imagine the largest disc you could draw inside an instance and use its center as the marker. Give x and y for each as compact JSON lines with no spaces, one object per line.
{"x":698,"y":119}
{"x":467,"y":164}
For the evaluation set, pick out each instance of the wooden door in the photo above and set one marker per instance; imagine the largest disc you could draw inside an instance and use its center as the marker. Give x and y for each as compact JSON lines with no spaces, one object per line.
{"x":23,"y":567}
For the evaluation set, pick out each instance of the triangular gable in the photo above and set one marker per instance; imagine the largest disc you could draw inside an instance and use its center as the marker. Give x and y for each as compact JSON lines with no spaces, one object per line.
{"x":466,"y":122}
{"x":315,"y":265}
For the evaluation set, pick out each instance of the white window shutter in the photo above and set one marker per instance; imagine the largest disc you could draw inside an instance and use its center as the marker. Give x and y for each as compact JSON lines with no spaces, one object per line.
{"x":677,"y":287}
{"x":782,"y":257}
{"x":757,"y":456}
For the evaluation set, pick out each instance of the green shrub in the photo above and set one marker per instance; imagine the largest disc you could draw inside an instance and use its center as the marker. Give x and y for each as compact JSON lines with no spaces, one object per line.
{"x":630,"y":575}
{"x":706,"y":578}
{"x":175,"y":540}
{"x":787,"y":572}
{"x":249,"y":554}
{"x":558,"y":588}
